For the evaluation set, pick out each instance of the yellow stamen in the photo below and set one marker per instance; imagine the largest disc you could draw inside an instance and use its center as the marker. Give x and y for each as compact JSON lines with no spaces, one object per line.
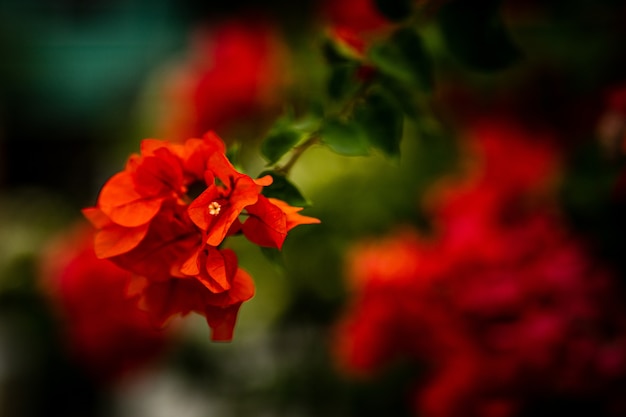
{"x":214,"y":208}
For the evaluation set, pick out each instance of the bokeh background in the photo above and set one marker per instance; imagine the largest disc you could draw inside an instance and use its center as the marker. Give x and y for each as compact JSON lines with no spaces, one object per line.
{"x":82,"y":82}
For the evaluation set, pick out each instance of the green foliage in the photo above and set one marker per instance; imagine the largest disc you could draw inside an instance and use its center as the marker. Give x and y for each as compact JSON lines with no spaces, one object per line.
{"x":404,"y":58}
{"x":275,"y":257}
{"x":282,"y":137}
{"x":381,"y":120}
{"x":342,"y":80}
{"x":344,"y":137}
{"x":278,"y":142}
{"x":283,"y":189}
{"x":475,"y":34}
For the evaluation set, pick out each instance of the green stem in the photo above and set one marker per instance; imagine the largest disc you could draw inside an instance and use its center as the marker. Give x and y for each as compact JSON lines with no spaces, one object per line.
{"x":314,"y":138}
{"x":297,"y":152}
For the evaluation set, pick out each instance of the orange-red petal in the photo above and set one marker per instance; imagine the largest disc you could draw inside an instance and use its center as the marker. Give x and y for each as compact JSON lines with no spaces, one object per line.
{"x":267,"y":224}
{"x":124,"y":205}
{"x":294,"y":218}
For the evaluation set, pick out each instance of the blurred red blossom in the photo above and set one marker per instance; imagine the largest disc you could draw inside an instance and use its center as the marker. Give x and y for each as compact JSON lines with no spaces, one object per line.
{"x":354,"y":22}
{"x":105,"y":331}
{"x":234,"y":70}
{"x":150,"y":223}
{"x":501,"y":303}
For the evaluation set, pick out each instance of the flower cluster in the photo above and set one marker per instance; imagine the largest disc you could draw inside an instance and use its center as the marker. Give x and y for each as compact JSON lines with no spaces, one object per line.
{"x":501,"y":304}
{"x":150,"y":223}
{"x":106,"y":333}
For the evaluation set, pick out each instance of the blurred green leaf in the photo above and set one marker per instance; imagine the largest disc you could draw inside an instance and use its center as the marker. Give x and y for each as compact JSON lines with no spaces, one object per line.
{"x":344,"y":137}
{"x":342,"y":80}
{"x":404,"y":58}
{"x":282,"y":189}
{"x":381,"y":120}
{"x":394,"y":10}
{"x":278,"y":142}
{"x":476,"y":35}
{"x":275,"y":257}
{"x":405,"y":98}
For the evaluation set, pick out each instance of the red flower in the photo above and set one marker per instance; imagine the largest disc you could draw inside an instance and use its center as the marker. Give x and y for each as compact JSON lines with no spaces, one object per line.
{"x":501,"y":304}
{"x":150,"y":225}
{"x":228,"y":193}
{"x":357,"y":16}
{"x":183,"y":296}
{"x":106,"y":332}
{"x":232,"y":72}
{"x":134,"y":196}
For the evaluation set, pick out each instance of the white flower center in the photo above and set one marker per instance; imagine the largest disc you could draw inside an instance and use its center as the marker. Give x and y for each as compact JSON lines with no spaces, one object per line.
{"x":214,"y":208}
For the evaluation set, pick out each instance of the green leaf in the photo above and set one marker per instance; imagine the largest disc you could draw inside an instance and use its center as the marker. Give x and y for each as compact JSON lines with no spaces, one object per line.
{"x":278,"y":142}
{"x":381,"y":119}
{"x":395,"y":10}
{"x":342,"y":80}
{"x":275,"y":257}
{"x":404,"y":58}
{"x":282,"y":189}
{"x":345,"y":138}
{"x":405,"y":98}
{"x":475,"y":34}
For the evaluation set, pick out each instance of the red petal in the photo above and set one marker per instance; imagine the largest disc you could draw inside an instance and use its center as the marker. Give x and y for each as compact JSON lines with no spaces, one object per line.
{"x":115,"y":240}
{"x":293,"y":218}
{"x":158,"y":175}
{"x":222,"y":321}
{"x":219,"y":266}
{"x":170,"y":240}
{"x":197,"y":153}
{"x":96,"y":217}
{"x":124,"y":205}
{"x":191,"y":267}
{"x":264,"y":181}
{"x":267,"y":224}
{"x":199,"y":208}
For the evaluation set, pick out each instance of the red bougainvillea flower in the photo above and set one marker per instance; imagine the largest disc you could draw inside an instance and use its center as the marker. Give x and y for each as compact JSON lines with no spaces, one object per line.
{"x":182,"y":296}
{"x":501,"y":304}
{"x":106,"y":332}
{"x":354,"y":24}
{"x":216,"y":211}
{"x":232,"y":71}
{"x":150,"y":224}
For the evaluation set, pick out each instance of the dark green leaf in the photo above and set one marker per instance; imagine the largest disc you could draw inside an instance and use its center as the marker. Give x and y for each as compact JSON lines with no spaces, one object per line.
{"x":278,"y":142}
{"x":275,"y":257}
{"x":342,"y":80}
{"x":282,"y":189}
{"x":405,"y":98}
{"x":381,"y":120}
{"x":345,"y":138}
{"x":476,"y":36}
{"x":404,"y":58}
{"x":395,"y":10}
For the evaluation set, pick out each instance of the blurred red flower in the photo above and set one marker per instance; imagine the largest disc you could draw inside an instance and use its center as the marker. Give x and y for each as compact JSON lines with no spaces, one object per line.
{"x":105,"y":331}
{"x":234,"y":71}
{"x":501,"y":303}
{"x":149,"y":223}
{"x":354,"y":22}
